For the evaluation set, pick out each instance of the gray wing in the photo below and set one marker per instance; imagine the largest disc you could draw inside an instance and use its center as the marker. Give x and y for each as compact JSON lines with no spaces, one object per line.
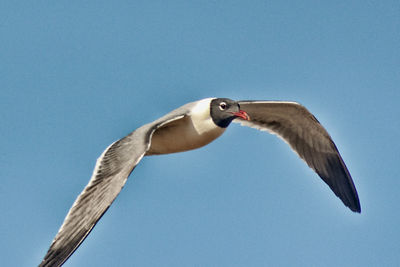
{"x":308,"y":138}
{"x":109,"y":176}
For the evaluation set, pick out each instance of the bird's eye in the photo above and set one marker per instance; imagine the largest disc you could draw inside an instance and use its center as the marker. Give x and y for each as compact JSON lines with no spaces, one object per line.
{"x":222,"y":106}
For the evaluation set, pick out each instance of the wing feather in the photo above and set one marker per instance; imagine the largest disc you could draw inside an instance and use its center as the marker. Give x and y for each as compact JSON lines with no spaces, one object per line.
{"x":109,"y":176}
{"x":308,"y":138}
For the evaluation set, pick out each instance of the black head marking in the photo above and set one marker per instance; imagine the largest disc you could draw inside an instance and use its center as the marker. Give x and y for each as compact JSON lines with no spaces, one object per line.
{"x":221,"y":111}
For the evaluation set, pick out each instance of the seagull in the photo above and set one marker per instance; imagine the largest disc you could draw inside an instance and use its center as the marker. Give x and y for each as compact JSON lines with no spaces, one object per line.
{"x":192,"y":126}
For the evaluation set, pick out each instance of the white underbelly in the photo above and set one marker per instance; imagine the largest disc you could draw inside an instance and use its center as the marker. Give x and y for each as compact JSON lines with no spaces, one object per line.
{"x":182,"y":135}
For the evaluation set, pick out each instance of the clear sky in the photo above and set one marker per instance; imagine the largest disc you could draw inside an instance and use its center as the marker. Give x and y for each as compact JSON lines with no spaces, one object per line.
{"x":76,"y":76}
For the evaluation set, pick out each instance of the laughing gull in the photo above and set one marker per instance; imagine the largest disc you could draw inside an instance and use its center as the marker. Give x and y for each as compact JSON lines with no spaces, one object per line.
{"x":189,"y":127}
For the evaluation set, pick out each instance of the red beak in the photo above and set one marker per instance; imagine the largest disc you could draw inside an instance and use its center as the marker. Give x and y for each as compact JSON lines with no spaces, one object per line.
{"x":242,"y":114}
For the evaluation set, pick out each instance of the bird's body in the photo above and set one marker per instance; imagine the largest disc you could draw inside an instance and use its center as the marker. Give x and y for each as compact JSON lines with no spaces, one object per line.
{"x":192,"y":131}
{"x":189,"y":127}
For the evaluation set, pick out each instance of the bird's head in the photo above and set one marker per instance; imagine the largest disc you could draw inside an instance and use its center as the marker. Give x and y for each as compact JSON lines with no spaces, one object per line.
{"x":224,"y":110}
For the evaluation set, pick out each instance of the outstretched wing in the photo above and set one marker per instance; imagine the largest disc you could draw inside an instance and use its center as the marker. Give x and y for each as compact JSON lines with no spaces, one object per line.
{"x":308,"y":138}
{"x":109,"y":176}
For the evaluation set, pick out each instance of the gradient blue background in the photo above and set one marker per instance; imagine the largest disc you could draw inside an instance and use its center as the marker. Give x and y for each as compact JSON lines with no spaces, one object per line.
{"x":75,"y":77}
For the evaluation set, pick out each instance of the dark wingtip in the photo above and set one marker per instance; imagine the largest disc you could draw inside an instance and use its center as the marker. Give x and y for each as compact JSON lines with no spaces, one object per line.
{"x":351,"y":201}
{"x":356,"y":207}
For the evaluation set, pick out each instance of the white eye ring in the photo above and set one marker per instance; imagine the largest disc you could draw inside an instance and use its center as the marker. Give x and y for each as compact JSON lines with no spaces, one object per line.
{"x":222,"y":106}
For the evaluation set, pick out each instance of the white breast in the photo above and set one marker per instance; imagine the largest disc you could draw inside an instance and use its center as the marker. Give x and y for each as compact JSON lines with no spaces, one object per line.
{"x":195,"y":130}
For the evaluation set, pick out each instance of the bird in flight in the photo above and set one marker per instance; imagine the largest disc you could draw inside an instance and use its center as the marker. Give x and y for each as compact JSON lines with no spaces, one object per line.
{"x":189,"y":127}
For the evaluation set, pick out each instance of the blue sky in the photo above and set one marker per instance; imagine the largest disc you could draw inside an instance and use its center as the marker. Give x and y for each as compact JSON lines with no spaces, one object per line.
{"x":77,"y":76}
